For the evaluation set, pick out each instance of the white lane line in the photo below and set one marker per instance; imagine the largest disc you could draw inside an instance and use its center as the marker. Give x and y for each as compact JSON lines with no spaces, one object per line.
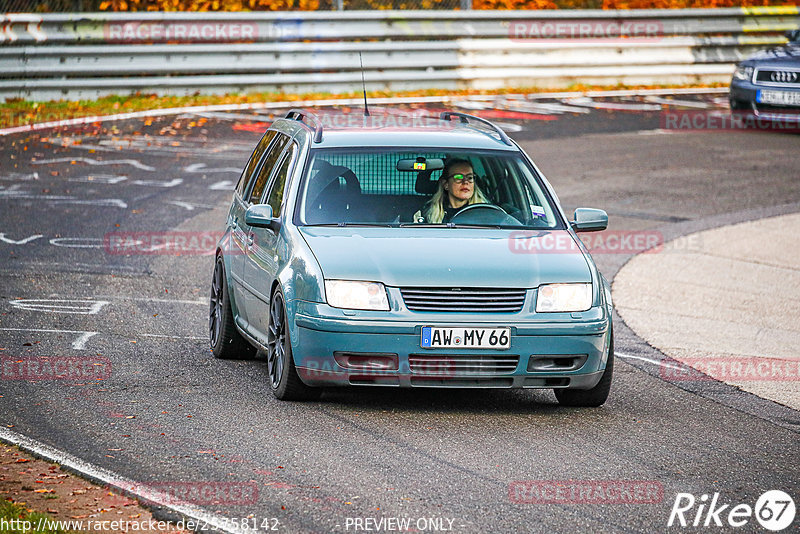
{"x":189,"y":205}
{"x":202,"y":168}
{"x":123,"y":484}
{"x":224,"y":185}
{"x":99,"y":179}
{"x":173,"y":337}
{"x":81,"y":307}
{"x":78,"y":344}
{"x":145,"y":299}
{"x":90,"y":161}
{"x":10,"y":194}
{"x":23,"y":241}
{"x":648,"y":360}
{"x":158,"y":183}
{"x":614,"y":106}
{"x":678,"y":103}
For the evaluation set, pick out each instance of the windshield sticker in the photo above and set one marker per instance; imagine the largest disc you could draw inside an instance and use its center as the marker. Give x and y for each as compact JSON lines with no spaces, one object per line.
{"x":418,"y":166}
{"x":538,"y":211}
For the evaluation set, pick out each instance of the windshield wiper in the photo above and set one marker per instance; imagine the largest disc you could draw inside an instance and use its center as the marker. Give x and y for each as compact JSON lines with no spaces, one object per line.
{"x":351,"y":224}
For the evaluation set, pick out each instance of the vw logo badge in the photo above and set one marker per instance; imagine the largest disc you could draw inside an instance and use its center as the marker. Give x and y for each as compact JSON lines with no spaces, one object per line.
{"x":783,"y":76}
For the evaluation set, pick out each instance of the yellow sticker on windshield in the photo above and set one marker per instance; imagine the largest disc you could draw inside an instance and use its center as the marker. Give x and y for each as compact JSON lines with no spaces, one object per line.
{"x":419,"y":166}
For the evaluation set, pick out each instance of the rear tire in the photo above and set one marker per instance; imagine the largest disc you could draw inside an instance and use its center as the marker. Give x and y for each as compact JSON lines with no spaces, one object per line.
{"x":283,"y":378}
{"x":226,"y":341}
{"x":594,"y":397}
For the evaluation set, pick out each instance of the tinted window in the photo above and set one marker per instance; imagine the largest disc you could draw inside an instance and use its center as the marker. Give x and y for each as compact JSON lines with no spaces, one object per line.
{"x":359,"y":186}
{"x":266,"y":168}
{"x":253,"y":161}
{"x":279,"y":182}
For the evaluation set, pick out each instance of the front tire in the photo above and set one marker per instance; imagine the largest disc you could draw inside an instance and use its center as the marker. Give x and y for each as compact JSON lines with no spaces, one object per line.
{"x":226,"y":341}
{"x":590,"y":398}
{"x":283,"y":378}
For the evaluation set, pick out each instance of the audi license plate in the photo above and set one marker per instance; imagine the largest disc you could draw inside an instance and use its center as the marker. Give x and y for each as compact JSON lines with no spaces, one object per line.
{"x":434,"y":337}
{"x":782,"y":98}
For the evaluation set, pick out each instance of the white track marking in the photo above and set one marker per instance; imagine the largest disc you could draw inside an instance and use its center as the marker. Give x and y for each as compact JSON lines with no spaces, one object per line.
{"x":78,"y":344}
{"x":228,"y":116}
{"x":100,"y":179}
{"x":679,"y":103}
{"x":104,"y":476}
{"x":90,"y":161}
{"x":200,"y":168}
{"x":157,"y":183}
{"x":11,"y":193}
{"x":225,"y":185}
{"x":616,"y":106}
{"x":147,"y":299}
{"x":79,"y":307}
{"x":648,"y":360}
{"x":189,"y":205}
{"x":19,"y":177}
{"x":173,"y":337}
{"x":77,"y":242}
{"x":24,"y":241}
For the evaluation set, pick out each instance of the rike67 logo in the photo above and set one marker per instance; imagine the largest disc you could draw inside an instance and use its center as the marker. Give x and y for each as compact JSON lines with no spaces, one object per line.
{"x":774,"y":510}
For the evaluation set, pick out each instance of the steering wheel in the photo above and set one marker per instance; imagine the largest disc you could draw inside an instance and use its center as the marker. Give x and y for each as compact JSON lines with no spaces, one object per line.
{"x":483,"y":213}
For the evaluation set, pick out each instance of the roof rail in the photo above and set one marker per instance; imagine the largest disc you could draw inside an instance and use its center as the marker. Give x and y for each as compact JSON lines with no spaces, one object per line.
{"x":466,"y":117}
{"x":300,"y":114}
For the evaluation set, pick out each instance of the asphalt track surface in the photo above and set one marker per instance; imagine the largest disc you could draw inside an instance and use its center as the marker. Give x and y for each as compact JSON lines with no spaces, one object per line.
{"x":171,"y":413}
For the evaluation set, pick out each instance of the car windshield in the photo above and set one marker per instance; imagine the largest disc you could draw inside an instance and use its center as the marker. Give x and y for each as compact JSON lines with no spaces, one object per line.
{"x":387,"y":187}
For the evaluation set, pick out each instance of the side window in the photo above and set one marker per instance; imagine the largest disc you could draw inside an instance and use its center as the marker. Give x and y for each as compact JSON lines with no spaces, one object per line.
{"x":267,"y":165}
{"x":275,"y":197}
{"x":241,"y":187}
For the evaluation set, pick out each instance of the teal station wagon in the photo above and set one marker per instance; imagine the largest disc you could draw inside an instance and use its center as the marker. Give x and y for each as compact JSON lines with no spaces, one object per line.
{"x":433,"y":254}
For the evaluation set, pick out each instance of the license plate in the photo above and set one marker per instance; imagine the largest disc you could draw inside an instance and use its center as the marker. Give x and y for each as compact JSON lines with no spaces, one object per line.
{"x":785,"y":98}
{"x":434,"y":337}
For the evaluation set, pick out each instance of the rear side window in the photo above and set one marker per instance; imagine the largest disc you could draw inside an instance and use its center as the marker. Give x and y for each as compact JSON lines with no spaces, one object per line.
{"x":275,"y":198}
{"x":250,"y":168}
{"x":265,"y":170}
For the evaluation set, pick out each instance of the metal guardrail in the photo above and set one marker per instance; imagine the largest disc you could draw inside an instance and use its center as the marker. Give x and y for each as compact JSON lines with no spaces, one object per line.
{"x":86,"y":55}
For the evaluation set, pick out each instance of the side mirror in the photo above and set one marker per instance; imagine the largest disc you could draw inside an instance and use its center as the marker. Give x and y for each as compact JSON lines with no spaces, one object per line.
{"x":589,"y":220}
{"x":260,"y":216}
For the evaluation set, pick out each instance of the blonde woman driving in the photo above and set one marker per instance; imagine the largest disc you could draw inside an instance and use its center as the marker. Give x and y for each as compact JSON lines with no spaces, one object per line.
{"x":455,"y":190}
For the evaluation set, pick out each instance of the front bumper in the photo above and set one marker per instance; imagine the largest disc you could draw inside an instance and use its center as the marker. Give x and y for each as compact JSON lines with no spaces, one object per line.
{"x":565,"y":352}
{"x":744,"y":96}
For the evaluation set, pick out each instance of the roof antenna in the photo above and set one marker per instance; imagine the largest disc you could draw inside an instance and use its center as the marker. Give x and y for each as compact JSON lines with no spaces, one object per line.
{"x":363,"y":85}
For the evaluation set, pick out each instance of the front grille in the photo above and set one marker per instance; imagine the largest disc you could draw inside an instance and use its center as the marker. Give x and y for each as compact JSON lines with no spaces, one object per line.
{"x":451,"y":365}
{"x":463,"y":299}
{"x":778,"y":77}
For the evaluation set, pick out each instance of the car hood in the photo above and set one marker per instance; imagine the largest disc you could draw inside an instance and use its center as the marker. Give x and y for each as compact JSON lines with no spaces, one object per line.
{"x":785,"y":56}
{"x":453,"y":257}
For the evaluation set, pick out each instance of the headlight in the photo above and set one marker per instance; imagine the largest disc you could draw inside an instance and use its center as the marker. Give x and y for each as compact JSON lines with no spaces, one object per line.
{"x":743,"y":73}
{"x":564,"y":298}
{"x":354,"y":295}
